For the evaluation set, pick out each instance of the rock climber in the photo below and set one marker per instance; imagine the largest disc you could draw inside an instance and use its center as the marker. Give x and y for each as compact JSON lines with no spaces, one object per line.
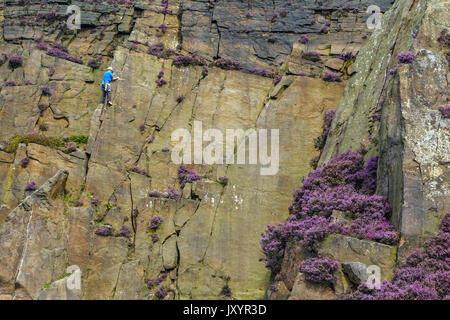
{"x":106,"y":85}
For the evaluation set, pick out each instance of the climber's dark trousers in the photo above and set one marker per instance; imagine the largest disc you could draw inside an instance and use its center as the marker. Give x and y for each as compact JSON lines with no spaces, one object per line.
{"x":106,"y":92}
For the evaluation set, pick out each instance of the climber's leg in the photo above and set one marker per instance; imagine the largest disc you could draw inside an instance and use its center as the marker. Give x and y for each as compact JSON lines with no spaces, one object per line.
{"x":102,"y":99}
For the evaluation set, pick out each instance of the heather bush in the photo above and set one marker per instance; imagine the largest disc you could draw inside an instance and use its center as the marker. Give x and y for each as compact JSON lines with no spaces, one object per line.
{"x":161,"y":292}
{"x":43,"y":127}
{"x":180,"y":98}
{"x":59,"y":51}
{"x":347,"y":56}
{"x":444,"y":38}
{"x":42,"y":46}
{"x":445,"y":111}
{"x":104,"y":231}
{"x":10,"y":83}
{"x":155,"y":222}
{"x":259,"y":72}
{"x":320,"y":141}
{"x":31,"y":186}
{"x":155,"y":237}
{"x":186,"y":175}
{"x":304,"y":39}
{"x":124,"y":231}
{"x":160,"y":82}
{"x":95,"y":63}
{"x":331,"y":77}
{"x":95,"y":202}
{"x":191,"y":60}
{"x":311,"y":56}
{"x":345,"y":184}
{"x":171,"y":193}
{"x":15,"y":61}
{"x":46,"y":91}
{"x":424,"y":276}
{"x":140,"y":171}
{"x":156,"y":49}
{"x":227,"y":64}
{"x":24,"y":162}
{"x":226,"y":291}
{"x":70,"y":147}
{"x":154,"y":282}
{"x":319,"y":270}
{"x":406,"y":57}
{"x":154,"y":194}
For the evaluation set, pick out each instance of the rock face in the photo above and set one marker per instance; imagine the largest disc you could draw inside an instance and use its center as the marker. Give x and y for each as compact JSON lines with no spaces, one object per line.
{"x":399,"y":116}
{"x":209,"y":237}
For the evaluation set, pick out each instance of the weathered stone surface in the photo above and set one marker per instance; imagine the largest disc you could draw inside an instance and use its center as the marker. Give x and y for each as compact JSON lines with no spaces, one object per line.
{"x":307,"y":290}
{"x":349,"y":249}
{"x":68,"y":288}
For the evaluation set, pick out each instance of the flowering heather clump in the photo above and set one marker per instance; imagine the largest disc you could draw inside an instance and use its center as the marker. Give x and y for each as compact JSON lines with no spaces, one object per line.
{"x":161,"y":74}
{"x":154,"y":282}
{"x":25,"y":161}
{"x":226,"y":291}
{"x":424,"y":276}
{"x":156,"y":49}
{"x":172,"y":193}
{"x":445,"y":111}
{"x":46,"y":91}
{"x":277,"y":79}
{"x":406,"y":57}
{"x":259,"y":72}
{"x":151,"y":139}
{"x":155,"y":237}
{"x":180,"y":98}
{"x":444,"y":38}
{"x":70,"y":147}
{"x":138,"y":170}
{"x":124,"y":231}
{"x":319,"y":142}
{"x":344,"y":184}
{"x":347,"y":56}
{"x":191,"y":60}
{"x":59,"y":51}
{"x":311,"y":55}
{"x":142,"y":127}
{"x":186,"y":176}
{"x":163,"y":28}
{"x":154,"y":194}
{"x":228,"y":64}
{"x":393,"y":70}
{"x":15,"y":61}
{"x":331,"y":77}
{"x":95,"y":63}
{"x":31,"y":186}
{"x":304,"y":39}
{"x":43,"y":127}
{"x":161,"y":292}
{"x":104,"y":231}
{"x":155,"y":222}
{"x":274,"y":17}
{"x":10,"y":83}
{"x":205,"y":71}
{"x":160,"y":82}
{"x":320,"y":270}
{"x":42,"y":46}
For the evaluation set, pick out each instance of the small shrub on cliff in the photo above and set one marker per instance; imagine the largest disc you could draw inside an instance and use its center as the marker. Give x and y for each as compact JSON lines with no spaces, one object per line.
{"x":31,"y":186}
{"x":424,"y":276}
{"x":406,"y":57}
{"x":10,"y":83}
{"x":42,"y":46}
{"x":155,"y":222}
{"x":104,"y":231}
{"x":25,"y":161}
{"x":95,"y":63}
{"x":186,"y":175}
{"x":444,"y":38}
{"x":319,"y":142}
{"x":445,"y":111}
{"x":15,"y":61}
{"x":331,"y":77}
{"x":180,"y":98}
{"x":311,"y":56}
{"x":59,"y":51}
{"x":70,"y":147}
{"x":347,"y":56}
{"x":303,"y":39}
{"x":46,"y":91}
{"x":161,"y":292}
{"x":227,"y":64}
{"x":124,"y":231}
{"x":319,"y":270}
